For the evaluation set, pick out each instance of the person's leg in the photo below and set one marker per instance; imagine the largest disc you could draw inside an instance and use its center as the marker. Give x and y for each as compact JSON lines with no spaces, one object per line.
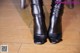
{"x":39,"y":22}
{"x":22,"y":4}
{"x":70,"y":3}
{"x":53,"y":36}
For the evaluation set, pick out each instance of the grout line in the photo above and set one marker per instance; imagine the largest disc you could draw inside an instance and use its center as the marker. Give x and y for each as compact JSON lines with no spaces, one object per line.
{"x":66,"y":44}
{"x":19,"y":48}
{"x":16,"y":42}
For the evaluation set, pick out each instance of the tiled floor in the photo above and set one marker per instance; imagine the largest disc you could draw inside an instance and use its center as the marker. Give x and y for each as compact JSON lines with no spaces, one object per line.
{"x":16,"y":29}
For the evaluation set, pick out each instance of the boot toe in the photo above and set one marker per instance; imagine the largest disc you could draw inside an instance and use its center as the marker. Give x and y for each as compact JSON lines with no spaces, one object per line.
{"x":54,"y":38}
{"x":39,"y":39}
{"x":39,"y":43}
{"x":55,"y":41}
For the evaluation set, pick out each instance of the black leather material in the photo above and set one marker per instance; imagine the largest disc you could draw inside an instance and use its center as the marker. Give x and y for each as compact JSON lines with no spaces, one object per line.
{"x":40,"y":36}
{"x":52,"y":34}
{"x":39,"y":22}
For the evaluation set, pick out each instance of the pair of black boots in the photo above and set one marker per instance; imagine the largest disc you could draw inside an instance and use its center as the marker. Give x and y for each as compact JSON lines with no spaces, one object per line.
{"x":40,"y":32}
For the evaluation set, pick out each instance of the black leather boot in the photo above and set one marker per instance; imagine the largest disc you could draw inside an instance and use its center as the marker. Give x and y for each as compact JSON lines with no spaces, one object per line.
{"x":39,"y":22}
{"x":53,"y":36}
